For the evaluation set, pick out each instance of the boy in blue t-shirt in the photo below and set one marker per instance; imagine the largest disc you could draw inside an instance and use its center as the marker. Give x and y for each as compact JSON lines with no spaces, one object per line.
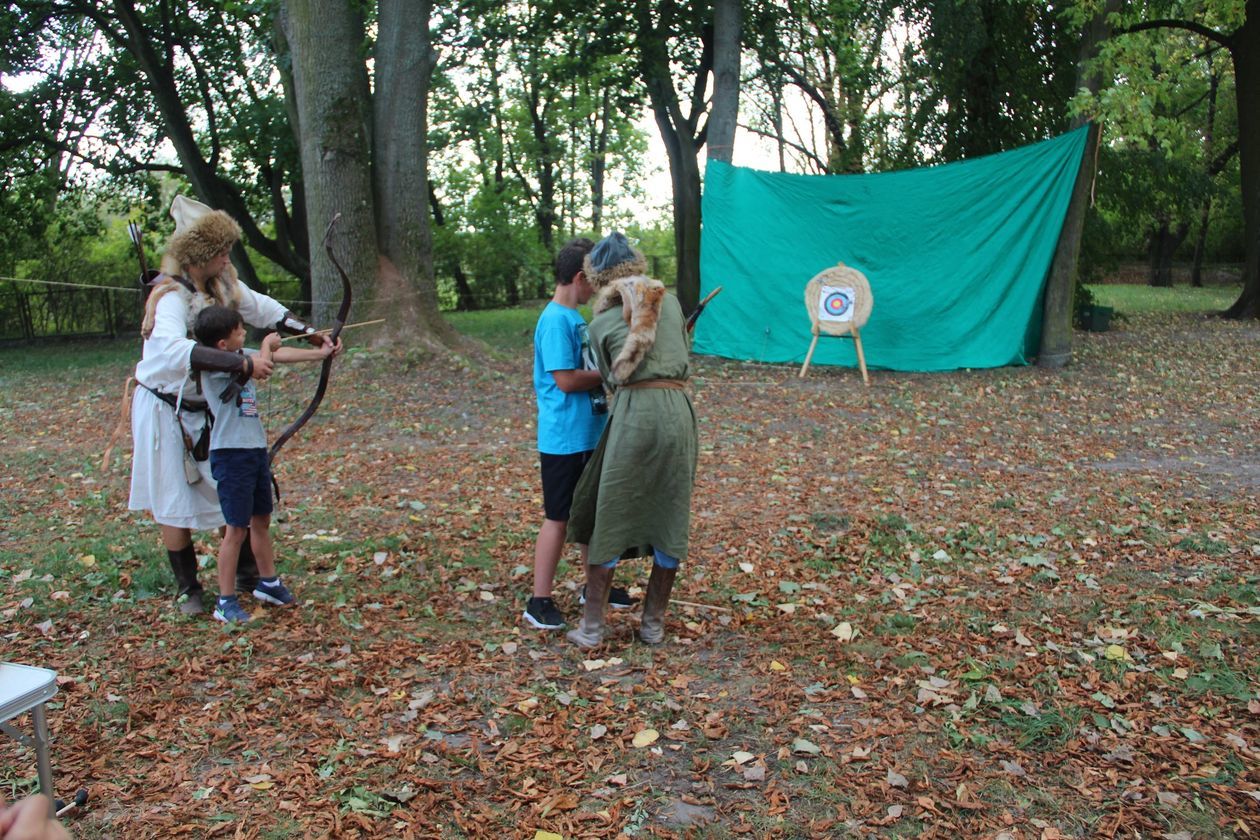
{"x":572,"y":408}
{"x":239,"y":460}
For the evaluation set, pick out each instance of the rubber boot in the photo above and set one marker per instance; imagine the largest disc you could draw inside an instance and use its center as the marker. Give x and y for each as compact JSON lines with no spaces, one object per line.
{"x":184,"y":565}
{"x":246,"y":569}
{"x":660,"y":584}
{"x":590,"y":630}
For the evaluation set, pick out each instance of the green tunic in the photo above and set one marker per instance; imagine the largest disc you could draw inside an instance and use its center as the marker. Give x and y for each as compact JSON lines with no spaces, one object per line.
{"x":635,"y":493}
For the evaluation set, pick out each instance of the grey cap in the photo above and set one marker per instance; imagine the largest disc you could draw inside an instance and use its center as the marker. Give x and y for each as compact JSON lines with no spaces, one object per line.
{"x":613,"y":249}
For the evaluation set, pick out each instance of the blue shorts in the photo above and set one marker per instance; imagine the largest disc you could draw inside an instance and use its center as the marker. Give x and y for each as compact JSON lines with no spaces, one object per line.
{"x":244,"y":477}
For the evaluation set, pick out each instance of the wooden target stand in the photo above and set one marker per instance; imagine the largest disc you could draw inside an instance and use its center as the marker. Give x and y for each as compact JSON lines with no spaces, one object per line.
{"x":839,"y":303}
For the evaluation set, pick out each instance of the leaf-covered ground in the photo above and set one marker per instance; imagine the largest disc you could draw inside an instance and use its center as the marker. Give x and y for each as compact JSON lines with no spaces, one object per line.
{"x":1001,"y":603}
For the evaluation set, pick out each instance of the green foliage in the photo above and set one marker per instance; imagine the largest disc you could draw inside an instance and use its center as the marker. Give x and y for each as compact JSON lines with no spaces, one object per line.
{"x":1168,"y":123}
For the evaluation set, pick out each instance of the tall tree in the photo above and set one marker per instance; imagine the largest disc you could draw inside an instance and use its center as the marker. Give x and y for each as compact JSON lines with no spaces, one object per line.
{"x":677,"y":39}
{"x":364,"y":155}
{"x":1057,"y":307}
{"x":1237,"y":29}
{"x":726,"y":55}
{"x":196,"y":78}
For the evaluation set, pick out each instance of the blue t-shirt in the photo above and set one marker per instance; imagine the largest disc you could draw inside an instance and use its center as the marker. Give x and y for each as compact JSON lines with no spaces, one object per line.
{"x":235,"y":426}
{"x":567,"y":423}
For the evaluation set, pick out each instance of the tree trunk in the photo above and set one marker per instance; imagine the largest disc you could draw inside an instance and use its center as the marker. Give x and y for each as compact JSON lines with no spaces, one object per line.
{"x":1056,"y":325}
{"x":726,"y":54}
{"x":681,"y":144}
{"x":464,"y":300}
{"x":1164,"y":244}
{"x":1245,"y":49}
{"x":598,"y":148}
{"x":404,"y":66}
{"x":331,"y":89}
{"x":1200,"y":244}
{"x":1205,"y":212}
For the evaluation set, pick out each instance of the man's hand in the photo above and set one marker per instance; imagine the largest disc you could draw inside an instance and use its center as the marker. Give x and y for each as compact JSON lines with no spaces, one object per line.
{"x":263,"y":366}
{"x":28,"y":819}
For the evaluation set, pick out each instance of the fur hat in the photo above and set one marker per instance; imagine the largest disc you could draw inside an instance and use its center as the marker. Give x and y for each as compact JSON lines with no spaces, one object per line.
{"x":619,"y":273}
{"x":201,"y":234}
{"x":204,"y":239}
{"x":611,"y":258}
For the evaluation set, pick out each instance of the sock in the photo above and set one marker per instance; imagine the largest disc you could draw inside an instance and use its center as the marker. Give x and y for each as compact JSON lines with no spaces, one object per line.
{"x":270,"y":581}
{"x":223,"y":599}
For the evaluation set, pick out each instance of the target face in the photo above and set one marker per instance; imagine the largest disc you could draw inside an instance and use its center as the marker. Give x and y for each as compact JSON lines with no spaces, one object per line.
{"x":835,"y":304}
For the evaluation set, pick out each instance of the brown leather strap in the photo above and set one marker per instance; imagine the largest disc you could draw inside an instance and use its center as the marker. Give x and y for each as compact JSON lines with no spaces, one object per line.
{"x":672,"y":384}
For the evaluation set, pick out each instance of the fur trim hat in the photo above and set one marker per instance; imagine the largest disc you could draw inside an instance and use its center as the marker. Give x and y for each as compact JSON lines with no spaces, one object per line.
{"x":619,"y":273}
{"x":204,"y":239}
{"x":611,"y":258}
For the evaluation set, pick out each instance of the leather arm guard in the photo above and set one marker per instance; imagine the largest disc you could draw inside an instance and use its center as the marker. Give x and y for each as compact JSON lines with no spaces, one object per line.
{"x":291,"y":324}
{"x":209,"y":358}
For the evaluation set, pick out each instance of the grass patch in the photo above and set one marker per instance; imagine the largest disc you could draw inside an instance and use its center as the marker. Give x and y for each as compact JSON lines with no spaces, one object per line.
{"x":508,"y":330}
{"x":1134,"y":299}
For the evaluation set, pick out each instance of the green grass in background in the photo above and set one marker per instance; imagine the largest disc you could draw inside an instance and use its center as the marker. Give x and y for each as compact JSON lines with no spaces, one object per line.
{"x":1133,"y":299}
{"x":507,"y":330}
{"x":512,"y":330}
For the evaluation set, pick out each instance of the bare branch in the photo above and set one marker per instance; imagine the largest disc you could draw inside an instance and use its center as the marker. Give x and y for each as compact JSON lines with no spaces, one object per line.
{"x":1188,"y":25}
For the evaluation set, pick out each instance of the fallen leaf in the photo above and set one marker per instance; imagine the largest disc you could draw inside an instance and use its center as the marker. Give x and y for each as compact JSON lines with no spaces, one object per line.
{"x":645,"y":737}
{"x":1014,"y":768}
{"x":895,"y":779}
{"x":800,"y":745}
{"x":843,"y":631}
{"x":755,"y":773}
{"x":1116,"y":653}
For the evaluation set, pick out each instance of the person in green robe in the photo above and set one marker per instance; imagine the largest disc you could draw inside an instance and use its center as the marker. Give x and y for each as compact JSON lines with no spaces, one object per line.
{"x":634,"y":497}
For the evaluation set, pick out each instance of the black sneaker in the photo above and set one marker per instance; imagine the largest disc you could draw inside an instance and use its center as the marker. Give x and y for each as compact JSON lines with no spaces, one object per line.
{"x":618,"y":598}
{"x":542,"y":614}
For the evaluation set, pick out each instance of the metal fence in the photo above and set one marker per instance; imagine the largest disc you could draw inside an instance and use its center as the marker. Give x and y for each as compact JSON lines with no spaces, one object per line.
{"x":29,"y":313}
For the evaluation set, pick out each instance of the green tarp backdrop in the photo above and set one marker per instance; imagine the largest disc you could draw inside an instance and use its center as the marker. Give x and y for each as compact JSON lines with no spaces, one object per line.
{"x":956,"y":255}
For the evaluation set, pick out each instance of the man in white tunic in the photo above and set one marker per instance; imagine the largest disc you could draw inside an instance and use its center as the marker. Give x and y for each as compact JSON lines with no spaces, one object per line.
{"x":170,"y":474}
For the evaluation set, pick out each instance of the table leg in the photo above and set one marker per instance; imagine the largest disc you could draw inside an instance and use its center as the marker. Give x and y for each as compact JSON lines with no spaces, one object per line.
{"x":41,"y":756}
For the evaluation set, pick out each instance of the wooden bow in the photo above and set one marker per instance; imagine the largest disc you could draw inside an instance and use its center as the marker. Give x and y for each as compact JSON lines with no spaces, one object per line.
{"x":339,"y":323}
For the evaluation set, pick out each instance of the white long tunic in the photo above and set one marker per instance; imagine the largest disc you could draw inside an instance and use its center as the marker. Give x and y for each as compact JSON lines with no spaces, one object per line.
{"x":158,"y":481}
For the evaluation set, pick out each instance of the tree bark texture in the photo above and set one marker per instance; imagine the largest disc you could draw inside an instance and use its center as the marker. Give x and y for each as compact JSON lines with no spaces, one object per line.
{"x":331,"y":86}
{"x":1165,"y":240}
{"x":404,"y":67}
{"x":1056,"y":323}
{"x":682,"y":141}
{"x":726,"y":55}
{"x":1245,"y":50}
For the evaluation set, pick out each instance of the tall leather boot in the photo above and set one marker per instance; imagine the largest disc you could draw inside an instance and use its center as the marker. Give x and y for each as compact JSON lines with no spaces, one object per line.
{"x":590,"y":630}
{"x":246,"y":569}
{"x":184,"y":565}
{"x":660,"y":584}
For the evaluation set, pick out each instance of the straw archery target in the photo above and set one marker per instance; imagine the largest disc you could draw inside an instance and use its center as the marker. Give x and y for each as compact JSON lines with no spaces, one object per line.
{"x":839,"y":300}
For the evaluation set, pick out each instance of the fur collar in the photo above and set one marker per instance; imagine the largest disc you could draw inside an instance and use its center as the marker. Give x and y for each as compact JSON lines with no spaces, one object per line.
{"x":224,"y":290}
{"x":640,"y":299}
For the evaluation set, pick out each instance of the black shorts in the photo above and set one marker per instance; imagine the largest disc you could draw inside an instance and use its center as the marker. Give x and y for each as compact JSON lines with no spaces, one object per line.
{"x":560,"y":474}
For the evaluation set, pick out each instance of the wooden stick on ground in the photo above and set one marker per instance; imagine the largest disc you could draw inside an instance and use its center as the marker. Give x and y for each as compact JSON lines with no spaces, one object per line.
{"x":700,"y":606}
